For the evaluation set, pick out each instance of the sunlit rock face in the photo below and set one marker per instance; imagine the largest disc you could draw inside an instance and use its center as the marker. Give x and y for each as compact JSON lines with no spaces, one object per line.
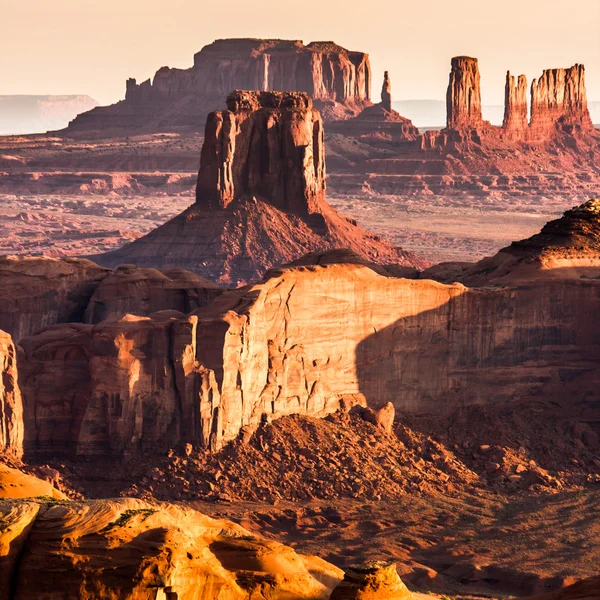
{"x":11,"y":406}
{"x":133,"y":550}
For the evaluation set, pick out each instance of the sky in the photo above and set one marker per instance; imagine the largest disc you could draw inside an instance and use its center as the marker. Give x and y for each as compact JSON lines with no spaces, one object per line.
{"x":92,"y":46}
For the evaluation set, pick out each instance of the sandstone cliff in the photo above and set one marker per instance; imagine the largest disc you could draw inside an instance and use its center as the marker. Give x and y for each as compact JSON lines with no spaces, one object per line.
{"x":338,"y":80}
{"x":309,"y":339}
{"x":260,"y":198}
{"x":11,"y":405}
{"x":130,"y":550}
{"x":559,"y":97}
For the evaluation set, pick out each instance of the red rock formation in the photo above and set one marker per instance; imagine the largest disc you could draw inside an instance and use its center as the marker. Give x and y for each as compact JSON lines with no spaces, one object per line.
{"x":144,"y":291}
{"x":463,"y":99}
{"x":338,"y":80}
{"x":386,"y":93}
{"x":265,"y":145}
{"x":11,"y":405}
{"x":379,"y":123}
{"x":277,"y":348}
{"x":515,"y":123}
{"x":559,"y":97}
{"x":260,"y":198}
{"x":36,"y":292}
{"x":375,"y":580}
{"x":133,"y":550}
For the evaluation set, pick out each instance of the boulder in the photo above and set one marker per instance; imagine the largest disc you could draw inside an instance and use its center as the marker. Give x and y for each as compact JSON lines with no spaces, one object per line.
{"x":375,"y":580}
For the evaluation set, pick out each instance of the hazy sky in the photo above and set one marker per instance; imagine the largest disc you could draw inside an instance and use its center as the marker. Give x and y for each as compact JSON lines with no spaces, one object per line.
{"x":92,"y":46}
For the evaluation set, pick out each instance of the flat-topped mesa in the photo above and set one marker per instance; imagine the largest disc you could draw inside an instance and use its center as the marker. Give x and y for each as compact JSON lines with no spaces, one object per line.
{"x":463,"y":99}
{"x":559,"y":97}
{"x":268,"y":145}
{"x":386,"y":93}
{"x":515,"y":123}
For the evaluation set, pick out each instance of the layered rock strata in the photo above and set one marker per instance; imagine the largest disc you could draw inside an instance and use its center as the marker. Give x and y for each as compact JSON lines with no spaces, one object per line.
{"x":338,"y":80}
{"x":260,"y":199}
{"x":130,"y":550}
{"x":375,"y":580}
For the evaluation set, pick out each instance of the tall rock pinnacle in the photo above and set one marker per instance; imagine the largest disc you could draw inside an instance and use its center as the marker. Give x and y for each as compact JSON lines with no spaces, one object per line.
{"x":463,"y":100}
{"x":515,"y":106}
{"x":386,"y":92}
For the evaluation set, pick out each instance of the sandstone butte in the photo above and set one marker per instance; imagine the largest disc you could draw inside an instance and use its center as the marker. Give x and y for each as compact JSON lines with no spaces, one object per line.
{"x":338,"y":80}
{"x":321,"y":334}
{"x":260,"y":198}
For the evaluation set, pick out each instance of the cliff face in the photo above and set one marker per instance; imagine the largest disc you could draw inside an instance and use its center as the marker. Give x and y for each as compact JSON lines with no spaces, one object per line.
{"x":260,"y":199}
{"x":338,"y":80}
{"x":11,"y":405}
{"x":559,"y":96}
{"x":463,"y":99}
{"x":515,"y":106}
{"x":266,"y":145}
{"x":130,"y":549}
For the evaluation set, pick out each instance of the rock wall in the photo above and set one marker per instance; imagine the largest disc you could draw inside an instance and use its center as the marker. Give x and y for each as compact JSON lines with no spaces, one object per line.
{"x":559,"y":96}
{"x":309,"y":340}
{"x":268,"y":145}
{"x":11,"y":405}
{"x":463,"y":99}
{"x":515,"y":122}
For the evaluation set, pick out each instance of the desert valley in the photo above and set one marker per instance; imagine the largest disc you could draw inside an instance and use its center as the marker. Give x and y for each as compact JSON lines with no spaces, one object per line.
{"x":263,"y":338}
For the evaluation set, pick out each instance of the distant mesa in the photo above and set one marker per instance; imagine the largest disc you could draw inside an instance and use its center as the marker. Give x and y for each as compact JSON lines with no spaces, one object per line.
{"x":260,"y":198}
{"x":338,"y":81}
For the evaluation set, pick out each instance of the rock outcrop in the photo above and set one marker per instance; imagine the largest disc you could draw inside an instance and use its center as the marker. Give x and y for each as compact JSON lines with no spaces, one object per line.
{"x":260,"y":198}
{"x":130,"y":550}
{"x":386,"y":93}
{"x":141,"y":292}
{"x":16,"y":484}
{"x":463,"y":98}
{"x":372,"y":581}
{"x":559,"y":97}
{"x":36,"y":292}
{"x":310,"y":338}
{"x":11,"y":405}
{"x":515,"y":122}
{"x":338,"y":81}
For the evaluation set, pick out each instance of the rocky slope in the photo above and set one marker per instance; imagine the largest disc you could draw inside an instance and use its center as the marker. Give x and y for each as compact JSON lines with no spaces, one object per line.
{"x":260,"y":198}
{"x":338,"y":80}
{"x":131,"y":549}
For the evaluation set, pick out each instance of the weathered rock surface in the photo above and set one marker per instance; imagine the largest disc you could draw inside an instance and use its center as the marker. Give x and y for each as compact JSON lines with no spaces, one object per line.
{"x":515,"y":107}
{"x":16,"y":484}
{"x":11,"y":405}
{"x":138,"y":291}
{"x":260,"y":198}
{"x":130,"y":549}
{"x":586,"y":589}
{"x":463,"y":99}
{"x":559,"y":97}
{"x":338,"y":80}
{"x":386,"y":93}
{"x":36,"y":292}
{"x":371,"y":581}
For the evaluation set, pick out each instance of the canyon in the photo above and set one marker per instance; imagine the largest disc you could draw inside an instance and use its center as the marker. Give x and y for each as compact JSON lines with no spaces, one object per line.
{"x":211,"y":374}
